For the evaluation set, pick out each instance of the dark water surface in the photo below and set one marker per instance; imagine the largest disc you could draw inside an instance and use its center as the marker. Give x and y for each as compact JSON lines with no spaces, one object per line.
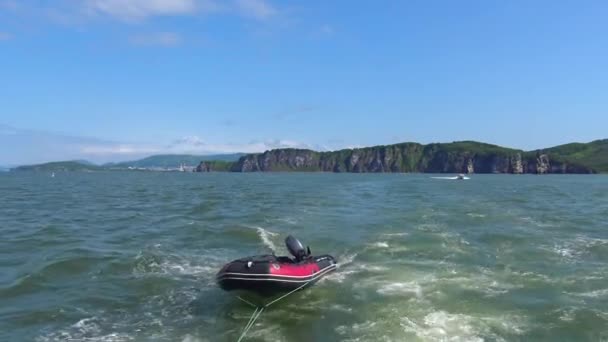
{"x":112,"y":256}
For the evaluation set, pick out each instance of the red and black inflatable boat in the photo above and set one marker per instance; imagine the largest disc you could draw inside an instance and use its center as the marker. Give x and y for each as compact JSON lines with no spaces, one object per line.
{"x":269,"y":274}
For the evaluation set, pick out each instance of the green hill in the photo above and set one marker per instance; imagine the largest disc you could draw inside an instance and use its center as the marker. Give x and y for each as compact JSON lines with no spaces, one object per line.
{"x":593,"y":154}
{"x":174,"y":160}
{"x":59,"y":166}
{"x":456,"y":157}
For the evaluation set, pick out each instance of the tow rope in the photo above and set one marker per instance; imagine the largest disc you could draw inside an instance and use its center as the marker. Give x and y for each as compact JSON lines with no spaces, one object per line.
{"x":259,"y":309}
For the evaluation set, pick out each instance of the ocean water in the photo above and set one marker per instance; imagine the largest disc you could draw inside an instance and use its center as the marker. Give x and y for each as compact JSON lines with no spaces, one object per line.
{"x":111,"y":256}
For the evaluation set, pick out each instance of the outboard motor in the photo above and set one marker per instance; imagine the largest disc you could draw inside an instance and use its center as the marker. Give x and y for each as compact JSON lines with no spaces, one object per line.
{"x":296,"y":248}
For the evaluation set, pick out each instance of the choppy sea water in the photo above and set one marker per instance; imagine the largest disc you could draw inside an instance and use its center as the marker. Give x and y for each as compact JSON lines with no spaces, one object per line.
{"x":111,"y":256}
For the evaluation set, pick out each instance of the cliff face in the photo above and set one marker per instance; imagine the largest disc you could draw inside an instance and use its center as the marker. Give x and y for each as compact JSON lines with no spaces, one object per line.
{"x":203,"y":167}
{"x":465,"y":157}
{"x":213,"y":165}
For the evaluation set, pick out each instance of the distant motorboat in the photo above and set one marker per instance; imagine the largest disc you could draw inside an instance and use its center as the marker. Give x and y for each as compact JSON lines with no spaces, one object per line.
{"x":459,"y":177}
{"x":53,"y":175}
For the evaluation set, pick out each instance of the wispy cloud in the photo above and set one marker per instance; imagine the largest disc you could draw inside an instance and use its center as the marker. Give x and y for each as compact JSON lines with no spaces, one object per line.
{"x":257,"y":9}
{"x":188,"y":144}
{"x":133,"y":11}
{"x":190,"y":141}
{"x":164,"y":39}
{"x":142,"y":9}
{"x":23,"y":146}
{"x":5,"y":36}
{"x":19,"y":146}
{"x":7,"y":130}
{"x":195,"y":144}
{"x":115,"y":150}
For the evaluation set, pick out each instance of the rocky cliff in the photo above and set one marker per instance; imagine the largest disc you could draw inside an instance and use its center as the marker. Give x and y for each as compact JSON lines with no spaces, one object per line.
{"x":459,"y":157}
{"x":213,"y":165}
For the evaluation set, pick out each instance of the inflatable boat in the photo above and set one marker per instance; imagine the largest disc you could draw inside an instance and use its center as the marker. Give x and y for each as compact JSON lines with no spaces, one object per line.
{"x":270,"y":274}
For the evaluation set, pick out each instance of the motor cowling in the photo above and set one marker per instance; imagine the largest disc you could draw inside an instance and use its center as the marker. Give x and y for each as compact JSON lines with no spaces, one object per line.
{"x":295,"y":247}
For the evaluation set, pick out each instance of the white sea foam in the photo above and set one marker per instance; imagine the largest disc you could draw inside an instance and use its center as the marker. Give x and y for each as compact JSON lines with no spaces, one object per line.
{"x":476,"y":215}
{"x":86,"y":329}
{"x":396,"y":234}
{"x":343,"y":272}
{"x":537,"y":223}
{"x":266,"y":333}
{"x":483,"y":281}
{"x":346,"y":259}
{"x":592,"y":294}
{"x":87,"y":325}
{"x":401,"y":288}
{"x":453,"y":327}
{"x":342,"y":308}
{"x":266,"y":237}
{"x":186,"y":268}
{"x":372,"y":268}
{"x":356,"y":328}
{"x":190,"y":338}
{"x":380,"y":244}
{"x":288,"y":220}
{"x":429,"y":227}
{"x":573,"y":249}
{"x":338,"y":276}
{"x":565,"y":252}
{"x":567,"y":315}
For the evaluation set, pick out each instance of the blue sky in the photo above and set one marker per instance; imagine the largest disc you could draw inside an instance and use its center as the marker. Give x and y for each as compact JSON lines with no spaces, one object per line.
{"x":118,"y":79}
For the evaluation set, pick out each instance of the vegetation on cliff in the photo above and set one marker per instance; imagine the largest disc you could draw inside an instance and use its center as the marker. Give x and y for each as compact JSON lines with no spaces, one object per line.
{"x":457,"y":157}
{"x":593,"y":154}
{"x":60,"y":166}
{"x":174,"y":160}
{"x":213,"y":166}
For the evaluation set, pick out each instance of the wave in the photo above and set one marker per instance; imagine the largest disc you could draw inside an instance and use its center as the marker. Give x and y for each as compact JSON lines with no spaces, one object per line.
{"x":399,"y":288}
{"x":601,"y":293}
{"x":86,"y":329}
{"x":266,"y":237}
{"x":437,"y":325}
{"x":155,"y":262}
{"x":476,"y":215}
{"x":575,"y":249}
{"x":396,"y":234}
{"x":380,"y":244}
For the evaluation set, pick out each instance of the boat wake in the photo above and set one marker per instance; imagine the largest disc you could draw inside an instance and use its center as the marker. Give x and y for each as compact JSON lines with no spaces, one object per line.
{"x":266,"y":237}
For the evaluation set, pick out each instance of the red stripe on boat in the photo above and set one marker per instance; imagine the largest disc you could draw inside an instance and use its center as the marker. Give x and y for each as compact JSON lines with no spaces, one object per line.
{"x":294,"y":270}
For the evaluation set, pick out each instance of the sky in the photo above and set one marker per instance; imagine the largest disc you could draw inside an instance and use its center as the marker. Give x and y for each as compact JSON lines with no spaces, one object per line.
{"x":109,"y":80}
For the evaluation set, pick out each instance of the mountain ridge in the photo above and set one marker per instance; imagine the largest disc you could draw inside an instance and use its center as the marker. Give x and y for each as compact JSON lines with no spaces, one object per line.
{"x":454,"y":157}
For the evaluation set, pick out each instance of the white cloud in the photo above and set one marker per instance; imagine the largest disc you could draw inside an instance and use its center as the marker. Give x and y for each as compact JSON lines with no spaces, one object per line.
{"x":196,"y":145}
{"x":257,"y":9}
{"x":188,"y":144}
{"x":18,"y":146}
{"x":5,"y":36}
{"x":141,"y":9}
{"x":166,"y":39}
{"x":116,"y":150}
{"x":80,"y":12}
{"x":7,"y":130}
